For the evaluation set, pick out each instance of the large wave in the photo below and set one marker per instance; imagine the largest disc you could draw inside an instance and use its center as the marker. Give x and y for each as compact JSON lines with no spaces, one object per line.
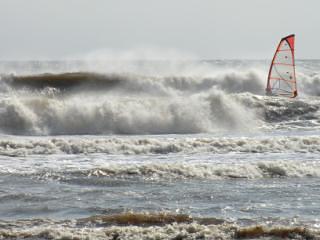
{"x":230,"y":82}
{"x":193,"y":99}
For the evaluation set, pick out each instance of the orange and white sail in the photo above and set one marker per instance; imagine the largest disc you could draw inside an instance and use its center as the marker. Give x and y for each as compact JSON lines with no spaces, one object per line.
{"x":282,"y":75}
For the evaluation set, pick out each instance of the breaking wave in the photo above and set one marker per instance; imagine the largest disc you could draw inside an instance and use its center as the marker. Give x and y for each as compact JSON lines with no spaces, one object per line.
{"x":150,"y":226}
{"x":195,"y":98}
{"x":104,"y":176}
{"x":230,"y":82}
{"x":127,"y":104}
{"x":123,"y":115}
{"x":151,"y":145}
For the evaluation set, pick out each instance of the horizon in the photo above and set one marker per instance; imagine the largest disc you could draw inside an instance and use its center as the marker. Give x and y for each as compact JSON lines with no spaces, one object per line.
{"x":145,"y":60}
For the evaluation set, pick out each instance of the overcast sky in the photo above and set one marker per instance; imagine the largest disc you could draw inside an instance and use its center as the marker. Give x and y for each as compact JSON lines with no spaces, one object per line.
{"x":208,"y":29}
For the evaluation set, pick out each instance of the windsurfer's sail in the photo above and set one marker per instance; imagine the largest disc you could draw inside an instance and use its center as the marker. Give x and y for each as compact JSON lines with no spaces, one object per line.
{"x":282,"y":76}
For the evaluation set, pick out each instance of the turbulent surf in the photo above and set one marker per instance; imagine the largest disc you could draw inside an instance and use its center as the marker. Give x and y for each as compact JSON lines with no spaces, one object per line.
{"x":157,"y":150}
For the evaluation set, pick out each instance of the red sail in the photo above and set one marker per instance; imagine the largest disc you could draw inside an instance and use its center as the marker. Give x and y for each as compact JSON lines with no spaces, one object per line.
{"x":282,"y":76}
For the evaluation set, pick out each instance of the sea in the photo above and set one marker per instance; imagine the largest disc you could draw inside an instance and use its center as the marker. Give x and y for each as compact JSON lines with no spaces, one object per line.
{"x":157,"y":149}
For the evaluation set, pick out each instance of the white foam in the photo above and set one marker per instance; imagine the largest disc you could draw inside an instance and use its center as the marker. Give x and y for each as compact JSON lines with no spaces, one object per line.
{"x":162,"y":157}
{"x":209,"y":112}
{"x":68,"y":230}
{"x":158,"y":145}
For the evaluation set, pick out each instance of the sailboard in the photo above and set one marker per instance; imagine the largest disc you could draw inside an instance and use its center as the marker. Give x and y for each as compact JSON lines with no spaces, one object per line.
{"x":282,"y":75}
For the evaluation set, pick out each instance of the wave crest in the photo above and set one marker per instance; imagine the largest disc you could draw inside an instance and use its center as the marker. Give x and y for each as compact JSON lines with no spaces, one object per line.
{"x":308,"y":144}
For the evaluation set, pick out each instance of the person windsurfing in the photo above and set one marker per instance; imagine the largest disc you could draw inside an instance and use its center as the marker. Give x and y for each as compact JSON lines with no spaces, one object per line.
{"x":282,"y":76}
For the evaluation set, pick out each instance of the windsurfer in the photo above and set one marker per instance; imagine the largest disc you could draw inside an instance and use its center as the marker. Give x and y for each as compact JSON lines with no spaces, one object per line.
{"x":282,"y":77}
{"x":295,"y":93}
{"x":268,"y":92}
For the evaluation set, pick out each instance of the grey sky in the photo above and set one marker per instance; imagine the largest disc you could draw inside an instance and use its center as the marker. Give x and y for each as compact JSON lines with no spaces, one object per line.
{"x":209,"y":29}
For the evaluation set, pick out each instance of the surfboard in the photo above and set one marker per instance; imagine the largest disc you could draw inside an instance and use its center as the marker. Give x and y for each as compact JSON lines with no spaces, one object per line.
{"x":282,"y":76}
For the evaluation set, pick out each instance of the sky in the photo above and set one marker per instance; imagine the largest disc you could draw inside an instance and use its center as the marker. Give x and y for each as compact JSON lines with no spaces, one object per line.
{"x":206,"y":29}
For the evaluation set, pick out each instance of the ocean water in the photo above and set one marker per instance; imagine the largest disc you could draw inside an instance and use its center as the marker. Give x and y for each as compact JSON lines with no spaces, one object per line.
{"x":157,"y":150}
